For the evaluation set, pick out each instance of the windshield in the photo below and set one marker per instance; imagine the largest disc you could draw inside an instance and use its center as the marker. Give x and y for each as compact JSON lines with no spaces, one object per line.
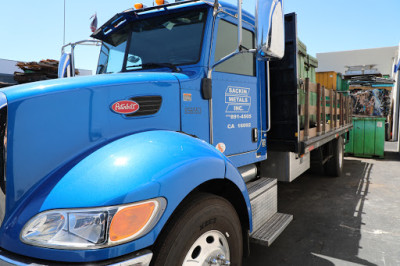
{"x":155,"y":42}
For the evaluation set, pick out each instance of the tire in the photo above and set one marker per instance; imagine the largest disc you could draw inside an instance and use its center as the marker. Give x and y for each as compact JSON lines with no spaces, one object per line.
{"x":203,"y":228}
{"x":334,"y":167}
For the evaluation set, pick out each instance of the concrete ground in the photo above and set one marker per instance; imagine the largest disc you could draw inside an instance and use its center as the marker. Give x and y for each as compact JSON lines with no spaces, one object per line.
{"x":351,"y":220}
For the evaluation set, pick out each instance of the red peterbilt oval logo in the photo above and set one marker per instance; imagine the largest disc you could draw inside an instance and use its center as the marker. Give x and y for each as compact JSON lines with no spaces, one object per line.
{"x":125,"y":107}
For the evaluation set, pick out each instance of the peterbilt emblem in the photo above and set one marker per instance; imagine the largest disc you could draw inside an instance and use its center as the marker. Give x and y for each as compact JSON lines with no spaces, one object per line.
{"x":125,"y":107}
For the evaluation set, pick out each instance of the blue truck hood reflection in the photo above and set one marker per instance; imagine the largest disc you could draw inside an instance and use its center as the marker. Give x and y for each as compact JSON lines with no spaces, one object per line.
{"x":54,"y":124}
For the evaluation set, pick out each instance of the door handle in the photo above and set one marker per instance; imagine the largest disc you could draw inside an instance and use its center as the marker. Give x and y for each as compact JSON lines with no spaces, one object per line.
{"x":254,"y":134}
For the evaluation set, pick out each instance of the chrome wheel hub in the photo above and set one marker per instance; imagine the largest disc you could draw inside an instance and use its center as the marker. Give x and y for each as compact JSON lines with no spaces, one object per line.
{"x":211,"y":248}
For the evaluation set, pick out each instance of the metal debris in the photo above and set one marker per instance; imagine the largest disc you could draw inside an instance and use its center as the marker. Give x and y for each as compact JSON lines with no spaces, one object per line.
{"x":36,"y":71}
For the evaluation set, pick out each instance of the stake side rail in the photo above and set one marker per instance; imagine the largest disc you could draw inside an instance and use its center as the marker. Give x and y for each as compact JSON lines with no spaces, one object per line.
{"x":324,"y":115}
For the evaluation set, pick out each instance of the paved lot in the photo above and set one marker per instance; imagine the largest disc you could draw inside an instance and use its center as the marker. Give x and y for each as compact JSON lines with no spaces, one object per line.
{"x":352,"y":220}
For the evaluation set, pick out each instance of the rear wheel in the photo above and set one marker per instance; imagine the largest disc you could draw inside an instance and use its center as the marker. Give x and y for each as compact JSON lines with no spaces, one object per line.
{"x":334,"y":166}
{"x":205,"y":231}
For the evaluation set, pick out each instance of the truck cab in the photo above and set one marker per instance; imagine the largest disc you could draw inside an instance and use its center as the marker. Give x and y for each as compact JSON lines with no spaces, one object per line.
{"x":182,"y":43}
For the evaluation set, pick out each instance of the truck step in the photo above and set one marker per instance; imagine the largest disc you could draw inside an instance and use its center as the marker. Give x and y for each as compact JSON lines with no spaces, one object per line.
{"x":263,"y":195}
{"x":269,"y":231}
{"x":259,"y":186}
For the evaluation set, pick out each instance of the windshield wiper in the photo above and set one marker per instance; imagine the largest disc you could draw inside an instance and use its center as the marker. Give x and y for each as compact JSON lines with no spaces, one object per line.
{"x":151,"y":65}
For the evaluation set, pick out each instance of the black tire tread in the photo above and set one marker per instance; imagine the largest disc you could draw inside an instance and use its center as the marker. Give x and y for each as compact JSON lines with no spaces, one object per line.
{"x":332,"y":167}
{"x":182,"y":216}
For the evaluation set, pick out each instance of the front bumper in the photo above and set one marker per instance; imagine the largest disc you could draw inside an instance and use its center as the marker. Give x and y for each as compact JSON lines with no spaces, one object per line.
{"x":141,"y":258}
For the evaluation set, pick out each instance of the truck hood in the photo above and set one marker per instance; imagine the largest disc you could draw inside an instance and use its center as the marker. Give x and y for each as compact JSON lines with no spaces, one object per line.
{"x":52,"y":125}
{"x":41,"y":88}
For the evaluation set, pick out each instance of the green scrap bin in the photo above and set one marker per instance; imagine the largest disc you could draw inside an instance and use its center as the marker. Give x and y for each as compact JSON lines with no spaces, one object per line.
{"x":311,"y":65}
{"x":367,"y":138}
{"x":306,"y":63}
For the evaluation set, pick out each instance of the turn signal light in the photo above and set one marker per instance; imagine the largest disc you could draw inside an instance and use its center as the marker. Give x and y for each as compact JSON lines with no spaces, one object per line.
{"x":139,"y":6}
{"x":161,"y":2}
{"x":131,"y":220}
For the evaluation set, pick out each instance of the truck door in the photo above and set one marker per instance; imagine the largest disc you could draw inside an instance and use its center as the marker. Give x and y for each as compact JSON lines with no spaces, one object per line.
{"x":234,"y":94}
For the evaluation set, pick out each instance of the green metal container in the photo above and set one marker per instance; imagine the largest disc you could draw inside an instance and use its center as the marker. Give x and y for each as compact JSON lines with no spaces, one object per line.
{"x":302,"y":71}
{"x":311,"y":65}
{"x":345,"y":85}
{"x":339,"y":82}
{"x":302,"y":48}
{"x":306,"y":63}
{"x":367,"y":138}
{"x":306,"y":69}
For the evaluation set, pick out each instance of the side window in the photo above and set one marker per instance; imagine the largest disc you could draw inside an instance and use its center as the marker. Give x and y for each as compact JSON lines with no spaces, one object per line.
{"x":243,"y":64}
{"x":112,"y":53}
{"x":111,"y":58}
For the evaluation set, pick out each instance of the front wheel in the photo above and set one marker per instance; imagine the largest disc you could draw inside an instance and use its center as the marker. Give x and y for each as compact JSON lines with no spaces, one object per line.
{"x":206,"y":230}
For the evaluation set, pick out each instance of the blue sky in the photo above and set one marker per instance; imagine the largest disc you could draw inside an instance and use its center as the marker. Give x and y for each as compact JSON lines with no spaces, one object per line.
{"x":33,"y":30}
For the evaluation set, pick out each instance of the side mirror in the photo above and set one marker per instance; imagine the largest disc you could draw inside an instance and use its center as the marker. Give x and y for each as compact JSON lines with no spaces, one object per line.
{"x":270,"y":29}
{"x":65,"y":66}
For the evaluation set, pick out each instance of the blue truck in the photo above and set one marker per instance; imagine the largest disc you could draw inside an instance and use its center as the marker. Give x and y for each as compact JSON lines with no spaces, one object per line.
{"x":161,"y":158}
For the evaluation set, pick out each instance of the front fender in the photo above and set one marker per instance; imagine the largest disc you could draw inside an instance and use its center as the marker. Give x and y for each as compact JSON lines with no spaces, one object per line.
{"x":137,"y":167}
{"x":134,"y":168}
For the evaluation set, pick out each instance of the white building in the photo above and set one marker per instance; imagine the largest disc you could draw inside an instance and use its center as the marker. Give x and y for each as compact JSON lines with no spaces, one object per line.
{"x":384,"y":59}
{"x":7,"y":69}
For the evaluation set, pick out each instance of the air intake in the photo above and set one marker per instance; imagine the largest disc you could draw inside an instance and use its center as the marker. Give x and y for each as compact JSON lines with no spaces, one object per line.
{"x":148,"y":105}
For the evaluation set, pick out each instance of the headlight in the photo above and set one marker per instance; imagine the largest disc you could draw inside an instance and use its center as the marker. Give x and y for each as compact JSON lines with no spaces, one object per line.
{"x":93,"y":228}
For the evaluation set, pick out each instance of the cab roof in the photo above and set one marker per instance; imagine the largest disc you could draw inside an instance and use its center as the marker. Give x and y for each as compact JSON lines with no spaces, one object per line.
{"x":120,"y":20}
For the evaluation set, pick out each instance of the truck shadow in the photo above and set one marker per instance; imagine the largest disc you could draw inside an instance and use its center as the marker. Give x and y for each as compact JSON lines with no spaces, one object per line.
{"x":326,"y":229}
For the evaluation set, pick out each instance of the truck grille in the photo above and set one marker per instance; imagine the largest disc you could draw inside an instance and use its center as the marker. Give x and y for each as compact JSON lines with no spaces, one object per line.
{"x":3,"y":149}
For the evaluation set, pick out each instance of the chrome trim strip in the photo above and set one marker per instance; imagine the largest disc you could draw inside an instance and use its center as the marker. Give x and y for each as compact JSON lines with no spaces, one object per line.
{"x":242,"y":153}
{"x":4,"y":104}
{"x":269,"y":99}
{"x":210,"y":108}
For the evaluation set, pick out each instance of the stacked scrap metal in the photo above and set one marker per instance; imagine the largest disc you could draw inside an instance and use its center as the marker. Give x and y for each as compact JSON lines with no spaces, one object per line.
{"x":33,"y":71}
{"x":371,"y":81}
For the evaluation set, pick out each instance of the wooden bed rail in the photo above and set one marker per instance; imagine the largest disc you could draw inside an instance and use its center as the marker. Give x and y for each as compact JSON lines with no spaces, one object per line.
{"x":330,"y":110}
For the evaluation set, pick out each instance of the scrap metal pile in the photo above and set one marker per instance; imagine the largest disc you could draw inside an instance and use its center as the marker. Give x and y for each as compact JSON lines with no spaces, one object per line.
{"x":34,"y":71}
{"x":376,"y":102}
{"x":371,"y":95}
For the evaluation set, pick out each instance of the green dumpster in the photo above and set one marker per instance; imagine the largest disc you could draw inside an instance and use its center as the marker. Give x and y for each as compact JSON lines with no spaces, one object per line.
{"x":367,"y":138}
